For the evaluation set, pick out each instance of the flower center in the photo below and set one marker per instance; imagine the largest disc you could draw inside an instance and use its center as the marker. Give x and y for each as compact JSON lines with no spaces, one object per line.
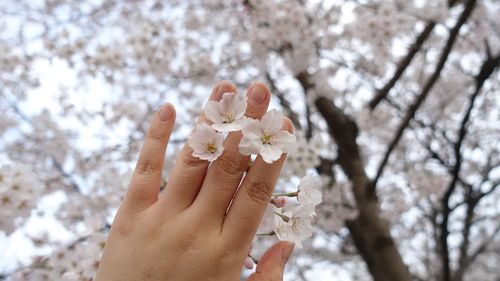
{"x":281,"y":229}
{"x":266,"y":138}
{"x":229,"y":117}
{"x":297,"y":223}
{"x":306,"y":191}
{"x":211,"y":147}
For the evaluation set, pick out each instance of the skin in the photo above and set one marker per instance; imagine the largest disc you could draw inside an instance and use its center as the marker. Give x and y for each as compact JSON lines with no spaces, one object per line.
{"x":190,"y":231}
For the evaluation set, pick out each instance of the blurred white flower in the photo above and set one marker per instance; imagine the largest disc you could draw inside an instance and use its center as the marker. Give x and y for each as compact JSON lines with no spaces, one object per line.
{"x":206,"y":142}
{"x":267,"y":223}
{"x":227,"y":114}
{"x":309,"y":193}
{"x":266,"y":138}
{"x":294,"y":225}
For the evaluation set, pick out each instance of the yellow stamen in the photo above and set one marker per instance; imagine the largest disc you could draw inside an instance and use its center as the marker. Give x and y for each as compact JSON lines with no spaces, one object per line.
{"x":297,"y":223}
{"x":211,"y":147}
{"x":229,"y":117}
{"x":266,"y":138}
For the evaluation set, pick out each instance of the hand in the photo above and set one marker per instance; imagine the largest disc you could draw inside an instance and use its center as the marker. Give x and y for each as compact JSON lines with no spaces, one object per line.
{"x":191,"y":231}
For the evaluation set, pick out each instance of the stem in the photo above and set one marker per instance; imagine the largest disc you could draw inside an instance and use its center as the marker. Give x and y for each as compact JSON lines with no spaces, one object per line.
{"x":291,"y":194}
{"x":256,"y":261}
{"x":266,"y":234}
{"x":285,"y":218}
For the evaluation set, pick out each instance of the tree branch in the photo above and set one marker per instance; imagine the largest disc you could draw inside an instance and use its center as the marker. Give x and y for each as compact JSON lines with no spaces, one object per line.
{"x":402,"y":65}
{"x":427,"y":87}
{"x":303,"y":78}
{"x":464,"y":247}
{"x":369,"y":231}
{"x":488,"y":67}
{"x":283,"y":101}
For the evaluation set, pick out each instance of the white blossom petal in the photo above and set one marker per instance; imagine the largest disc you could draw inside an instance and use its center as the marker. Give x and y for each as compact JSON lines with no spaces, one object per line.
{"x":249,"y":146}
{"x":251,"y":128}
{"x":285,"y":141}
{"x":212,"y":112}
{"x":227,"y":127}
{"x":272,"y":121}
{"x":270,"y":153}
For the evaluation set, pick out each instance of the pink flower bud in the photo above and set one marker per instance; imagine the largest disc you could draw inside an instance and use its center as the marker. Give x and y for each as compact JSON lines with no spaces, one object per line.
{"x":279,"y":202}
{"x":248,"y":263}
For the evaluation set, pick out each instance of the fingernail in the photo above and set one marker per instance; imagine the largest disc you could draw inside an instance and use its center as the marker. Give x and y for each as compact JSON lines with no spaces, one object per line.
{"x":286,"y":251}
{"x":166,"y":112}
{"x":222,"y":87}
{"x":258,"y":93}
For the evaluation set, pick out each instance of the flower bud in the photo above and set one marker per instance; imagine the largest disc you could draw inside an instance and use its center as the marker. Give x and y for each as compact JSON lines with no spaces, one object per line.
{"x":279,"y":202}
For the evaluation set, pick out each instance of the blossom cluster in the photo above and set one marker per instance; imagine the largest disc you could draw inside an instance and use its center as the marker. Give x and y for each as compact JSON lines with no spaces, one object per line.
{"x":291,"y":221}
{"x":78,"y":261}
{"x":260,"y":137}
{"x":306,"y":156}
{"x":382,"y":22}
{"x":19,"y":193}
{"x":283,"y":26}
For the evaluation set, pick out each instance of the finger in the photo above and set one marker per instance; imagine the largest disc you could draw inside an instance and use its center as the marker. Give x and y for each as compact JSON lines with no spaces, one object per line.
{"x":224,"y":175}
{"x":189,"y":172}
{"x":252,"y":198}
{"x":145,"y":183}
{"x":272,"y":264}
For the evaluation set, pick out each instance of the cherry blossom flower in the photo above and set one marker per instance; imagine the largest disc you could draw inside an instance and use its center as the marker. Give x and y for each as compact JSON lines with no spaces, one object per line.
{"x":206,"y":142}
{"x":294,"y":225}
{"x":266,"y":138}
{"x":309,"y":193}
{"x":227,"y":114}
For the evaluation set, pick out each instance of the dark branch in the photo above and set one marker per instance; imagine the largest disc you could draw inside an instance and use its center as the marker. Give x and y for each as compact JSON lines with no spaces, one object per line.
{"x":402,"y":65}
{"x":303,"y":78}
{"x":427,"y":87}
{"x":464,"y":247}
{"x":488,"y":67}
{"x":405,"y":62}
{"x":67,"y":176}
{"x":283,"y":101}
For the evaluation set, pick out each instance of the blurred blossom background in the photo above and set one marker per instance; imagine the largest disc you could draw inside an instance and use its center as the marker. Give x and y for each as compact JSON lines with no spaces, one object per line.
{"x":396,"y":106}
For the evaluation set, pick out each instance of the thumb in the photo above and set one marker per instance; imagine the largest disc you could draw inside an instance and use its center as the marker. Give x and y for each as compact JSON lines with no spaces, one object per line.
{"x":272,"y":264}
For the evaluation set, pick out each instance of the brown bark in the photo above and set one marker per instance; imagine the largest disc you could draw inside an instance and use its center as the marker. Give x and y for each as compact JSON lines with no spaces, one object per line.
{"x":370,"y":232}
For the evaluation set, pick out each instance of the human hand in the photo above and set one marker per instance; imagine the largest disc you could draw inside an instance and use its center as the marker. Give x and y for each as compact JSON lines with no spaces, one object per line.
{"x":202,"y":225}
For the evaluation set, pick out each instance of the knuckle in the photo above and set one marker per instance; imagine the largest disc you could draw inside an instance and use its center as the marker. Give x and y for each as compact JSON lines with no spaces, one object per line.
{"x":146,"y":166}
{"x":232,"y":164}
{"x":259,"y":191}
{"x":189,"y":160}
{"x":156,"y":134}
{"x":122,"y":227}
